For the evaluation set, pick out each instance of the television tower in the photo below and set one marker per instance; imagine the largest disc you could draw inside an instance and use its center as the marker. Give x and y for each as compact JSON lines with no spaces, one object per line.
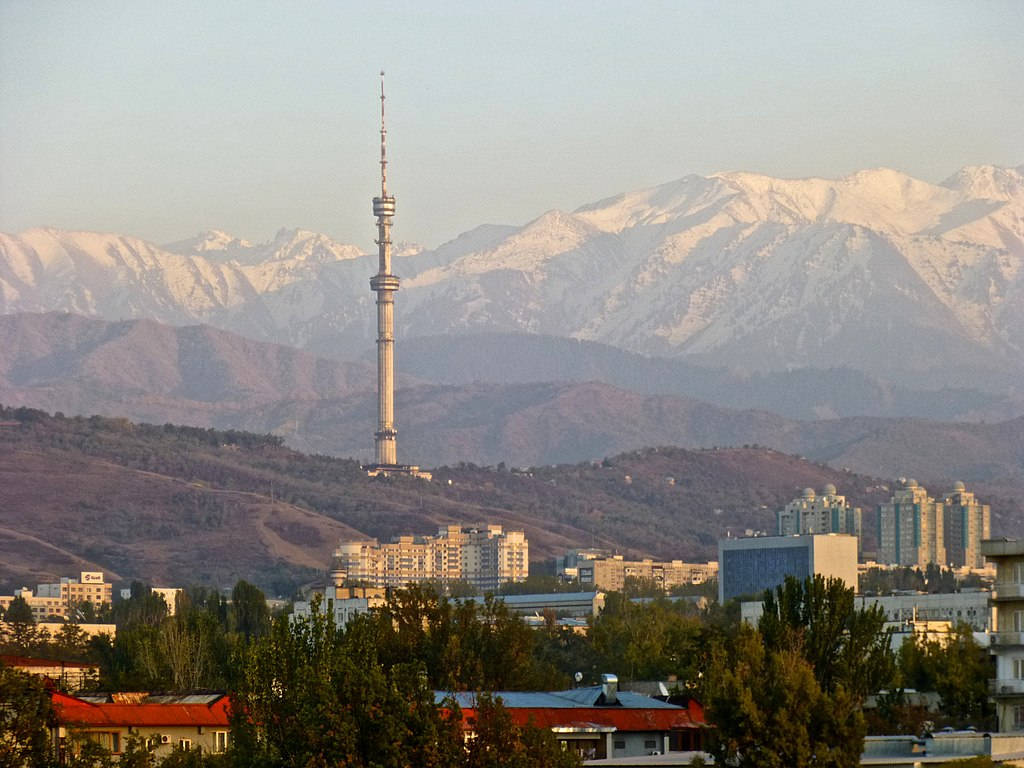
{"x":385,"y":284}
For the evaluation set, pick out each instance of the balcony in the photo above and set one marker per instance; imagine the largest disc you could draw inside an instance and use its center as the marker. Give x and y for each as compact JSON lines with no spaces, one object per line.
{"x":1007,"y":638}
{"x":1006,"y":687}
{"x":1008,"y":592}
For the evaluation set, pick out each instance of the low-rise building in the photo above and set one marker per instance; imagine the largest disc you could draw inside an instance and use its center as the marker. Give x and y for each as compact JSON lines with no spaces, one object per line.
{"x":917,"y":611}
{"x":749,"y":566}
{"x":68,"y":675}
{"x":610,"y":573}
{"x":186,"y":721}
{"x":599,"y":722}
{"x":560,"y":605}
{"x":343,"y":603}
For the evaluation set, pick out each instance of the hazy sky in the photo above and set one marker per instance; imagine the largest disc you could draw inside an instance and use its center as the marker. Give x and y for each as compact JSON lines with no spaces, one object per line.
{"x":162,"y":118}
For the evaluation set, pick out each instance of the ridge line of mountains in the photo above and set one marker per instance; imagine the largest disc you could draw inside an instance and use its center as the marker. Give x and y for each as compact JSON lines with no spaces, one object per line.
{"x":877,"y":271}
{"x":871,"y":324}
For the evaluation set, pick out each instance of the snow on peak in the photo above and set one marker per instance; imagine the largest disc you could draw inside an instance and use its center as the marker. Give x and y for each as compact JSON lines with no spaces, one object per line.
{"x":214,"y":243}
{"x":988,"y":182}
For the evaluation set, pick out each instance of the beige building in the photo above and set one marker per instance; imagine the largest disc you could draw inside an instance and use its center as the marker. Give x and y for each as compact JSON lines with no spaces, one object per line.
{"x":42,"y":607}
{"x":165,"y":721}
{"x":911,"y":528}
{"x":60,"y":598}
{"x":610,"y":573}
{"x":483,"y":557}
{"x":828,"y":512}
{"x":967,"y":522}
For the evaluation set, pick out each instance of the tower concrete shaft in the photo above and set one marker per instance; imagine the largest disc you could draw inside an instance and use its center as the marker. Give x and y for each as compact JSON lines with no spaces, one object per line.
{"x":385,"y":285}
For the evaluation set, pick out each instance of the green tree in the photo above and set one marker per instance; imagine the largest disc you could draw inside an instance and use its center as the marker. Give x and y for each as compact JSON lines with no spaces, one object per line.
{"x":844,"y":645}
{"x":500,"y":743}
{"x":790,"y":692}
{"x":21,"y":634}
{"x":955,"y":667}
{"x":770,"y":711}
{"x":26,"y":715}
{"x":649,"y":640}
{"x":249,"y":614}
{"x":311,"y":695}
{"x":19,"y":611}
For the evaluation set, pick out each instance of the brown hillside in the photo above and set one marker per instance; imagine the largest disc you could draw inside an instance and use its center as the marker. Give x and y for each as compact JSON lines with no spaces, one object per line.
{"x":181,"y":505}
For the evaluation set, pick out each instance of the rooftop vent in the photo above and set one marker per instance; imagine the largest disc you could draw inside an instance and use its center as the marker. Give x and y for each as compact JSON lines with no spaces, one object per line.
{"x":610,"y":689}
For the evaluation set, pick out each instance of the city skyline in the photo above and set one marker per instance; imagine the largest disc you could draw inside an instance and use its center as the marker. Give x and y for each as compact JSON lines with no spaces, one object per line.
{"x":162,"y":122}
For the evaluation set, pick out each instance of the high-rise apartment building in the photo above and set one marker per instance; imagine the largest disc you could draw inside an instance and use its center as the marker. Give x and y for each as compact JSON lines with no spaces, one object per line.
{"x":483,"y":557}
{"x":825,"y":513}
{"x":967,"y":523}
{"x":911,"y":528}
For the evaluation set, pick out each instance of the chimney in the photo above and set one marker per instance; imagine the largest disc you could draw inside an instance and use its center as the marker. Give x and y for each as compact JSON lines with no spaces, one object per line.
{"x":610,"y":689}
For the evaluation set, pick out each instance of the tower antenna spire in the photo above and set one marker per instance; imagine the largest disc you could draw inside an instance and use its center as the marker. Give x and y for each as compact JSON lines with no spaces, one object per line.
{"x":383,"y":143}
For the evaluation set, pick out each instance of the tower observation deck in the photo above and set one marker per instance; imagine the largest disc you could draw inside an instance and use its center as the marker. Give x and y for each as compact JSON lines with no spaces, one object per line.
{"x":385,"y":285}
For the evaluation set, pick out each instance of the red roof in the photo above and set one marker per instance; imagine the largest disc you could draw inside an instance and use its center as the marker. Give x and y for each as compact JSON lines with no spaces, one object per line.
{"x":620,"y":719}
{"x":73,"y":711}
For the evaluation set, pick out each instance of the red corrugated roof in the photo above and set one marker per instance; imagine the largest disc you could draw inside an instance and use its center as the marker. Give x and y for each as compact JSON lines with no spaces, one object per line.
{"x":72,"y":711}
{"x":621,"y":719}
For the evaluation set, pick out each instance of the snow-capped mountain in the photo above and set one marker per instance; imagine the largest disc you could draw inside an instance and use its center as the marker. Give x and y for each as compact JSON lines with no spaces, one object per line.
{"x":877,"y":270}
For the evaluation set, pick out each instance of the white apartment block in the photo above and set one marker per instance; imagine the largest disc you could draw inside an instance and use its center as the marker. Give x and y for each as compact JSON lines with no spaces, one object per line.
{"x":828,"y":512}
{"x":911,"y":528}
{"x":483,"y":557}
{"x":343,"y":604}
{"x":1008,"y":638}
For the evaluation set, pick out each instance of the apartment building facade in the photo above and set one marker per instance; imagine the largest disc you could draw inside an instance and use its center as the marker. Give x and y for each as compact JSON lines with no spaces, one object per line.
{"x":483,"y":557}
{"x":61,"y":598}
{"x":967,"y":523}
{"x":827,"y":512}
{"x":610,"y":573}
{"x":1008,"y":638}
{"x":911,"y":528}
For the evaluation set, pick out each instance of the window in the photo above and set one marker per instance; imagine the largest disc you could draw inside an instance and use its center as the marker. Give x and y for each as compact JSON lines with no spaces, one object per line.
{"x":620,"y":743}
{"x":1018,"y":669}
{"x":650,"y":744}
{"x":185,"y":744}
{"x":1018,"y":717}
{"x":110,"y":741}
{"x":220,"y":741}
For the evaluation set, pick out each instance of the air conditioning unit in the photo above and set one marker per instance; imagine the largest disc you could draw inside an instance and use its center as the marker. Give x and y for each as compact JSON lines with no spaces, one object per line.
{"x":165,"y":739}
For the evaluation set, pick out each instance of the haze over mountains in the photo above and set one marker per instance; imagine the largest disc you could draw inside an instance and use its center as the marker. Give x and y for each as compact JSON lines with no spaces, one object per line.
{"x":201,"y":376}
{"x":850,"y":322}
{"x":779,"y":302}
{"x":903,"y":280}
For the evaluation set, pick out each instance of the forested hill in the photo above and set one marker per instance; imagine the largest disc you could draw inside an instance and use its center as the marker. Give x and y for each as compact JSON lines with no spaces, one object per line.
{"x":183,"y":505}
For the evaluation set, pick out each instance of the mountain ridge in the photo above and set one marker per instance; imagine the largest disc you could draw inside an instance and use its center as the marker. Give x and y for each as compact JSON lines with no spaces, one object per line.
{"x":877,"y":270}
